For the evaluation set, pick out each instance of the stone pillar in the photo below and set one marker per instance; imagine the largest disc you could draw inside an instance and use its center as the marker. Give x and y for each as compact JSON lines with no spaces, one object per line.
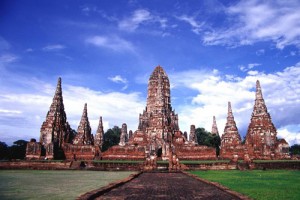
{"x":123,"y":135}
{"x":193,"y":136}
{"x":214,"y":129}
{"x":99,"y":137}
{"x":130,"y":134}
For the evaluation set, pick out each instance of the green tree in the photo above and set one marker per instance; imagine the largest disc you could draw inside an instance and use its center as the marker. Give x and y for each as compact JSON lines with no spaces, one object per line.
{"x":206,"y":138}
{"x":202,"y":136}
{"x":215,"y":141}
{"x":18,"y":149}
{"x":295,"y":149}
{"x":111,"y":138}
{"x":4,"y":153}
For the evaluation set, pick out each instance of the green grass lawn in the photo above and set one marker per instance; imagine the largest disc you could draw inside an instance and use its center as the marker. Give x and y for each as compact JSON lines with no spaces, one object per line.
{"x":203,"y":161}
{"x":46,"y":184}
{"x":119,"y":161}
{"x":260,"y":185}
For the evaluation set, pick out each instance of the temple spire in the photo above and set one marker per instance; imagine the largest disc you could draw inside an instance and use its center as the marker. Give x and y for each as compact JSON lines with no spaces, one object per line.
{"x":84,"y":135}
{"x":214,"y":129}
{"x":229,"y":113}
{"x":231,"y":136}
{"x":99,"y":137}
{"x":261,"y":134}
{"x":55,"y":129}
{"x":58,"y":90}
{"x":258,"y":94}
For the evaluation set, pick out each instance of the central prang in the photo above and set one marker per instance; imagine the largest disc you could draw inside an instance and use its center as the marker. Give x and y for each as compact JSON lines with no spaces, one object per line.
{"x":158,"y":120}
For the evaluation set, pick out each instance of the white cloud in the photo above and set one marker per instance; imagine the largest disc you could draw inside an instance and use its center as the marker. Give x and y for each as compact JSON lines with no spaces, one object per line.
{"x":244,"y":68}
{"x":29,"y":50}
{"x":119,"y":79}
{"x":10,"y":111}
{"x":141,"y":17}
{"x":260,"y":52}
{"x":114,"y":43}
{"x":138,"y":17}
{"x":290,"y":133}
{"x":8,"y":58}
{"x":255,"y":21}
{"x":53,"y":47}
{"x":196,"y":26}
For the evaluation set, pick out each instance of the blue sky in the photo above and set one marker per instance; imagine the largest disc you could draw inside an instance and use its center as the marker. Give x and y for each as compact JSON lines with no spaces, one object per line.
{"x":213,"y":52}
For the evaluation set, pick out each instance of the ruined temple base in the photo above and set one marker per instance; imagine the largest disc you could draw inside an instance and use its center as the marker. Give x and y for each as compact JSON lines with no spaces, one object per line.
{"x":197,"y":152}
{"x":79,"y":152}
{"x":230,"y":153}
{"x":124,"y":153}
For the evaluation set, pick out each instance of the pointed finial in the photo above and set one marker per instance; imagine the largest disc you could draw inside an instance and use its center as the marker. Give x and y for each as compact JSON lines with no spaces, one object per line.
{"x":214,"y":130}
{"x":84,"y":114}
{"x":258,"y":84}
{"x":100,"y":121}
{"x":59,"y":81}
{"x":258,"y":94}
{"x":229,"y":107}
{"x":58,"y":87}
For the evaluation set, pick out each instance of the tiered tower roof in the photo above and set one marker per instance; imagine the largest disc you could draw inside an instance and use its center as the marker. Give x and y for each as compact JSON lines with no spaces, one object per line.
{"x":55,"y":129}
{"x":84,"y":134}
{"x":99,"y":137}
{"x":261,"y":129}
{"x":231,"y":136}
{"x":214,"y":129}
{"x":158,"y":120}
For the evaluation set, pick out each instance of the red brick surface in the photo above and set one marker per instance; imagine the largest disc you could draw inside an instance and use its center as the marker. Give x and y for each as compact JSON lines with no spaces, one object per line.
{"x":166,"y":186}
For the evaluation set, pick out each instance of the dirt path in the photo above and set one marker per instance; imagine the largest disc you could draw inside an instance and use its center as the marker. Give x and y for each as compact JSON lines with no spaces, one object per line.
{"x":166,"y":186}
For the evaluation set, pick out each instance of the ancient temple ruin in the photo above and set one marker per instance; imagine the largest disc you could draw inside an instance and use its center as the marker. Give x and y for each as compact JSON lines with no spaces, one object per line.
{"x":82,"y":146}
{"x":261,"y":138}
{"x":55,"y":130}
{"x":84,"y":132}
{"x":231,"y":142}
{"x":158,"y":135}
{"x":99,"y":136}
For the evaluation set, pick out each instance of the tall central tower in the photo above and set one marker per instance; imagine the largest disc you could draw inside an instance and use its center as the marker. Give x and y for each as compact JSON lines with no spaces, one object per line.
{"x":158,"y":120}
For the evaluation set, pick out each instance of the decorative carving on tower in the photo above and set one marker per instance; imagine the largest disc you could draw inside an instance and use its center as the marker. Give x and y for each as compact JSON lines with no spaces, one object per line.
{"x":123,"y":136}
{"x":99,"y":134}
{"x":193,"y":136}
{"x":231,"y":136}
{"x":214,"y":129}
{"x":84,"y":134}
{"x":261,"y":135}
{"x":55,"y":129}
